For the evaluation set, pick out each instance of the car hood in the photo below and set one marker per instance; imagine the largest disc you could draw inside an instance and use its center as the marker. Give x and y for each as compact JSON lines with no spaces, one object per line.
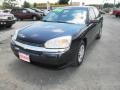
{"x":42,"y":31}
{"x":5,"y":14}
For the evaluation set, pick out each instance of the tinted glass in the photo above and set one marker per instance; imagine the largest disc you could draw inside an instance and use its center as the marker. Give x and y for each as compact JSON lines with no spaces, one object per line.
{"x":91,"y":14}
{"x":96,"y":12}
{"x":76,"y":16}
{"x":30,"y":10}
{"x":13,"y":11}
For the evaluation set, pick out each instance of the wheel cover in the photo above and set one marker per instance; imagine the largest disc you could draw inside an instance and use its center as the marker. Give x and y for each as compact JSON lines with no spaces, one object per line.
{"x":81,"y":53}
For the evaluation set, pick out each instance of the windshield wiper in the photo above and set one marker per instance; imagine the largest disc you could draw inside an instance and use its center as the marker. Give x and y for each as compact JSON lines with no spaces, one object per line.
{"x":58,"y":21}
{"x":64,"y":22}
{"x":47,"y":21}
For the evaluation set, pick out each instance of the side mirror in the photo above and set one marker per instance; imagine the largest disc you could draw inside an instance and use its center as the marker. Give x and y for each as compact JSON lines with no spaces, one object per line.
{"x":102,"y":12}
{"x":94,"y":21}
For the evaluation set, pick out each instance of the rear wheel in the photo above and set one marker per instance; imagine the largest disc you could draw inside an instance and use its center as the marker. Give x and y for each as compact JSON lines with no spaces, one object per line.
{"x":80,"y":54}
{"x":34,"y":18}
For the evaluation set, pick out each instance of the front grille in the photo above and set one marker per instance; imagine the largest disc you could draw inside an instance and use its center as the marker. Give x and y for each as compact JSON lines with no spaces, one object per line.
{"x":31,"y":51}
{"x":29,"y":43}
{"x":3,"y":19}
{"x":27,"y":51}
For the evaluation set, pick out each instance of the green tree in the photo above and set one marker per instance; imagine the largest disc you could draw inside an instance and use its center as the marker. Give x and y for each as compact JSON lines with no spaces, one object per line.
{"x":63,"y":1}
{"x":35,"y":5}
{"x":118,"y":5}
{"x":26,"y":4}
{"x":0,"y":7}
{"x":108,"y":5}
{"x":9,"y":4}
{"x":6,"y":5}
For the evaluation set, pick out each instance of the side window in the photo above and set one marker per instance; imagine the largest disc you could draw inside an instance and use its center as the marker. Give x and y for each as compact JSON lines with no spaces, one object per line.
{"x":14,"y":11}
{"x":91,"y":14}
{"x":24,"y":11}
{"x":96,"y":12}
{"x":17,"y":10}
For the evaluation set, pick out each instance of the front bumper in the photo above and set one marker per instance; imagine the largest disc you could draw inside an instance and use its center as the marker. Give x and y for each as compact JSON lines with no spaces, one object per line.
{"x":6,"y":22}
{"x":43,"y":56}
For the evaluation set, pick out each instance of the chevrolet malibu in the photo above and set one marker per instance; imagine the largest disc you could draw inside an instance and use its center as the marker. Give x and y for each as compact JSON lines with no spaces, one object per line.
{"x":61,"y":38}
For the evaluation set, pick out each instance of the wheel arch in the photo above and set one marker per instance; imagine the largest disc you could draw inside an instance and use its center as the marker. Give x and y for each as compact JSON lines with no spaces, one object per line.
{"x":85,"y":41}
{"x":81,"y":39}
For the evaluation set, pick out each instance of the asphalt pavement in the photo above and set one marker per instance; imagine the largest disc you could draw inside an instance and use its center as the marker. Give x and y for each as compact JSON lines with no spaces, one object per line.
{"x":99,"y":71}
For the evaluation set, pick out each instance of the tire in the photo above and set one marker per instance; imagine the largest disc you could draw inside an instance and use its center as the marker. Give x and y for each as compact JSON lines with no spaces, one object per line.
{"x":18,"y":19}
{"x":99,"y":34}
{"x":34,"y":18}
{"x":9,"y":26}
{"x":117,"y":16}
{"x":80,"y":53}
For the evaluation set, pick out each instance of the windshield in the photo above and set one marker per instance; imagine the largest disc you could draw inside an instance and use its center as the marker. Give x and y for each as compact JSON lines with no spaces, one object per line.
{"x":75,"y":16}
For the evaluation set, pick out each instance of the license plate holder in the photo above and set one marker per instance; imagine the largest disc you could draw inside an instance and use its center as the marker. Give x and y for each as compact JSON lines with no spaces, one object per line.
{"x":24,"y":57}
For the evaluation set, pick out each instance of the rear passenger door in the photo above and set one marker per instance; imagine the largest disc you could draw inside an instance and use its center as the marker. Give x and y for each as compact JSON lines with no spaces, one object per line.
{"x":98,"y":17}
{"x":25,"y":14}
{"x":92,"y":26}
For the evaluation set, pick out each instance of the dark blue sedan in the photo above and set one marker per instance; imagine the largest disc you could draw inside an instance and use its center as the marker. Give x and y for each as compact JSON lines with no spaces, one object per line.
{"x":60,"y":38}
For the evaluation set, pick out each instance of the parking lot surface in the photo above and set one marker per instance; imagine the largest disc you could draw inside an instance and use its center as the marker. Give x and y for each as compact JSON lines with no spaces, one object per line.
{"x":99,"y":71}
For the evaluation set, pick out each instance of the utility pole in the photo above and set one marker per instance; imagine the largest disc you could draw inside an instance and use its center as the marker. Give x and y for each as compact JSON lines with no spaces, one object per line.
{"x":48,"y":5}
{"x":114,"y":4}
{"x":71,"y":2}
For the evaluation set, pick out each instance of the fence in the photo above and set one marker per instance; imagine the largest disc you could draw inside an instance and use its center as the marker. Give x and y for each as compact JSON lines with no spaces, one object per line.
{"x":44,"y":5}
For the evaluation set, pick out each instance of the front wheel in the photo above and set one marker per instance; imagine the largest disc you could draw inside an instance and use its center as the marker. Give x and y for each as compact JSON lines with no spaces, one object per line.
{"x":116,"y":16}
{"x":80,"y":54}
{"x":9,"y":26}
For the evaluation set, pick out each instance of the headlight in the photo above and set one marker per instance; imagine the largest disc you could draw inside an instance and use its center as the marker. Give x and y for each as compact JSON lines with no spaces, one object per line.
{"x":14,"y":37}
{"x":59,"y":43}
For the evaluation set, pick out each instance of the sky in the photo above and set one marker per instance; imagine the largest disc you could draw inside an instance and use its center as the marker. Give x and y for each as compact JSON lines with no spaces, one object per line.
{"x":53,"y":1}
